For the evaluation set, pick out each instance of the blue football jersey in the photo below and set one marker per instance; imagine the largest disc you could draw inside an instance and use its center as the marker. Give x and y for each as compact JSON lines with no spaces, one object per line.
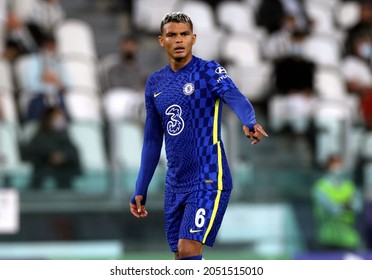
{"x":187,"y":104}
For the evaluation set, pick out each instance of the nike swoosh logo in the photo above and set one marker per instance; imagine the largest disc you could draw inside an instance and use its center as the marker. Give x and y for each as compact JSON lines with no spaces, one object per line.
{"x":156,"y":94}
{"x":195,"y":230}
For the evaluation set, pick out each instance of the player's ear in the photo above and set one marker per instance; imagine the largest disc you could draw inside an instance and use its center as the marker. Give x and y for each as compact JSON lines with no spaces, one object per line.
{"x":193,"y":38}
{"x":161,"y":40}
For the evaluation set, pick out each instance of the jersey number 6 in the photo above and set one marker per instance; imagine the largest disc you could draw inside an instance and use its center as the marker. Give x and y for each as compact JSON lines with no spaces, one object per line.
{"x":199,"y":217}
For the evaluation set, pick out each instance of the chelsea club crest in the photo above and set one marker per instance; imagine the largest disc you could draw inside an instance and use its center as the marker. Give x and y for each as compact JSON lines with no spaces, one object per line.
{"x":188,"y":89}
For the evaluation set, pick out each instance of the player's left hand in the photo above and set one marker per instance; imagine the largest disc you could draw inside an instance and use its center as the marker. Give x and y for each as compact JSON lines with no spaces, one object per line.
{"x":138,"y":210}
{"x":257,"y":134}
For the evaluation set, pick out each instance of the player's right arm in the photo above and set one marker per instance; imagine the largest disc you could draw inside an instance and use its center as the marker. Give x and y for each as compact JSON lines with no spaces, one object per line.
{"x":151,"y":149}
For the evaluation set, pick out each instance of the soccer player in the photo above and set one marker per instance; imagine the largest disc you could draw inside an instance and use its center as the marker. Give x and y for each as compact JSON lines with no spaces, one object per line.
{"x":184,"y":103}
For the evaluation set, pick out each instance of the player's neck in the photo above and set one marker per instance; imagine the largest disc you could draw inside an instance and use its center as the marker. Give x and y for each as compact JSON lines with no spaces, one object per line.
{"x":177,"y":64}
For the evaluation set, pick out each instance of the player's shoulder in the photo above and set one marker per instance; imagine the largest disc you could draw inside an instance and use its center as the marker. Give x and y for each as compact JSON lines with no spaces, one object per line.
{"x":155,"y":76}
{"x":207,"y":63}
{"x":158,"y":73}
{"x":213,"y":68}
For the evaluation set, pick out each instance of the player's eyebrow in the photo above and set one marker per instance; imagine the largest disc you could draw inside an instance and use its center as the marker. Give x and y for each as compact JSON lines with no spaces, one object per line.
{"x":181,"y":33}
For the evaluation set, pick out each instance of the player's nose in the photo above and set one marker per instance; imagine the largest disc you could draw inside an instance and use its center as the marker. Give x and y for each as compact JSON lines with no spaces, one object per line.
{"x":179,"y":38}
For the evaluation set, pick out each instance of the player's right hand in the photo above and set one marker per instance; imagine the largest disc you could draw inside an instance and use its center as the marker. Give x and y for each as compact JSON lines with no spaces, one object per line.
{"x":138,"y":210}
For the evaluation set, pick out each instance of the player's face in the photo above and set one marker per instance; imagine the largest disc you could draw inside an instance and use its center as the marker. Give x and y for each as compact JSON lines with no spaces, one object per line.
{"x":177,"y":40}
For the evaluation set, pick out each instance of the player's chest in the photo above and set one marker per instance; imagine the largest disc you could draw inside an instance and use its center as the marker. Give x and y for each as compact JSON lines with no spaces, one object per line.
{"x":177,"y":92}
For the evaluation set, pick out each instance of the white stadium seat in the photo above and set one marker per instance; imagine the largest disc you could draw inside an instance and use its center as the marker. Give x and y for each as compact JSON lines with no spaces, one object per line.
{"x":333,"y":121}
{"x":126,"y":149}
{"x":20,"y":70}
{"x":254,"y":81}
{"x":324,"y":50}
{"x":83,"y":106}
{"x":8,"y":107}
{"x":81,"y":74}
{"x":321,"y":13}
{"x":122,"y":103}
{"x":347,"y":14}
{"x":89,"y":141}
{"x":5,"y":76}
{"x":236,"y":17}
{"x":241,"y":50}
{"x":201,"y":14}
{"x":147,"y":14}
{"x":208,"y":44}
{"x":75,"y":38}
{"x":329,"y":83}
{"x":11,"y":164}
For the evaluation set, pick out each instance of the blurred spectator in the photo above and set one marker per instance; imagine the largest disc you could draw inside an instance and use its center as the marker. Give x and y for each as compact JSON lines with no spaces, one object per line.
{"x":356,"y":69}
{"x":294,"y":72}
{"x":20,"y":33}
{"x":43,"y":18}
{"x":356,"y":66}
{"x":294,"y":87}
{"x":118,"y":6}
{"x":337,"y":203}
{"x":271,"y":13}
{"x":52,"y":153}
{"x":364,"y":25}
{"x":11,"y":51}
{"x":282,"y":42}
{"x":47,"y":80}
{"x":28,"y":32}
{"x":127,"y":72}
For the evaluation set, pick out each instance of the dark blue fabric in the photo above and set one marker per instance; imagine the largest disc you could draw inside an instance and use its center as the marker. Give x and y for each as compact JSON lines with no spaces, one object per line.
{"x":37,"y":106}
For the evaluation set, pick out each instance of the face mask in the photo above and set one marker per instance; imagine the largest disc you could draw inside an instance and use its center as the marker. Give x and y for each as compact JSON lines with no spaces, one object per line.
{"x":365,"y":50}
{"x":59,"y":123}
{"x":50,"y":89}
{"x":297,"y":49}
{"x":128,"y":56}
{"x":338,"y":173}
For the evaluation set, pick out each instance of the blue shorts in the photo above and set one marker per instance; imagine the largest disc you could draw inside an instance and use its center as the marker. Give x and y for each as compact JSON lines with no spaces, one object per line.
{"x":196,"y":215}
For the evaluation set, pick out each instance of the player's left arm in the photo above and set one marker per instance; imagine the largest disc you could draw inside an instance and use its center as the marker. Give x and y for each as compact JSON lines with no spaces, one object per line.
{"x":245,"y":112}
{"x":221,"y":86}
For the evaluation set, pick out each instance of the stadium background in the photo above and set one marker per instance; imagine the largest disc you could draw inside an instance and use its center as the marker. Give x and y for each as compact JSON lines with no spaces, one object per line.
{"x":270,"y":215}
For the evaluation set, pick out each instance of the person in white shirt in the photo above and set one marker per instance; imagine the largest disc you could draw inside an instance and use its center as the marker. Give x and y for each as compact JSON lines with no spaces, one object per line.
{"x":357,"y":71}
{"x":356,"y":66}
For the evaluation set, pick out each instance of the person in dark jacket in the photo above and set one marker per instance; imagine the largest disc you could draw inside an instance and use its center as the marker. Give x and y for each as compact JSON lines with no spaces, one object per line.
{"x":52,"y":153}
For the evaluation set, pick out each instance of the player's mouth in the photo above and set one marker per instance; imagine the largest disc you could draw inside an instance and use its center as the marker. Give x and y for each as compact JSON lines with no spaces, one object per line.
{"x":179,"y":49}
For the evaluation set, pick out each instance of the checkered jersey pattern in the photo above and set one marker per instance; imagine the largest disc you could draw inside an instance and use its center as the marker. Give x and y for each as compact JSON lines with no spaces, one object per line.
{"x":187,"y":103}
